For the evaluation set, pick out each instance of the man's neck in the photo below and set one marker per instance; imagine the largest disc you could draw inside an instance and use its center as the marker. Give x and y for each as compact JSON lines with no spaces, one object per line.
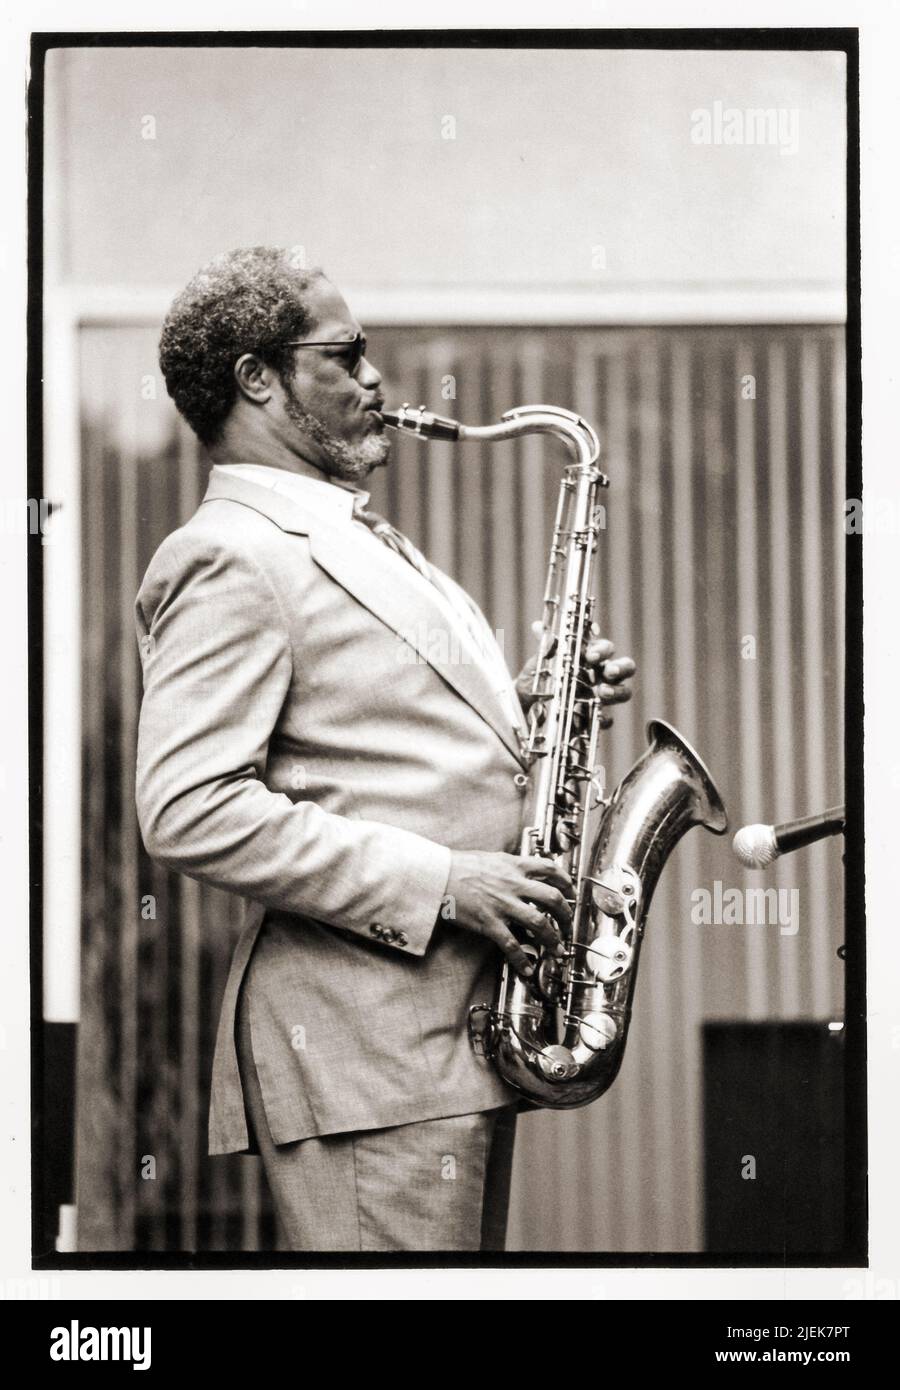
{"x":270,"y":453}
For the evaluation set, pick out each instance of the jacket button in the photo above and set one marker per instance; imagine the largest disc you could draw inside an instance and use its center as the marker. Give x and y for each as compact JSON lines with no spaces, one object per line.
{"x":521,"y":780}
{"x":402,"y":939}
{"x":376,"y":929}
{"x":388,"y":936}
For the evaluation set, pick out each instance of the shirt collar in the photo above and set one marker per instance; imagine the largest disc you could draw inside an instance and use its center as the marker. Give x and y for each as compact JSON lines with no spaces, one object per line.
{"x":336,"y":501}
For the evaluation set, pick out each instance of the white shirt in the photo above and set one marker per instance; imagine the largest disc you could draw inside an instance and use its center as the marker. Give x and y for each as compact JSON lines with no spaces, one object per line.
{"x":336,"y":503}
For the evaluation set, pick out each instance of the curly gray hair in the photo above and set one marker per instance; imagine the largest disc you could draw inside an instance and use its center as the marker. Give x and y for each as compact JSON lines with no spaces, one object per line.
{"x":250,"y":300}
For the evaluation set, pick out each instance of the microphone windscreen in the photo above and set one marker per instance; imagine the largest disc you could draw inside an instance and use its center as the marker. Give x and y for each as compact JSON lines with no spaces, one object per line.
{"x":755,"y":846}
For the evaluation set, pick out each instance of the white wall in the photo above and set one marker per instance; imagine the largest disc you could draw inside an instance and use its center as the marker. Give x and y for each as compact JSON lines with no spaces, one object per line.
{"x":341,"y":150}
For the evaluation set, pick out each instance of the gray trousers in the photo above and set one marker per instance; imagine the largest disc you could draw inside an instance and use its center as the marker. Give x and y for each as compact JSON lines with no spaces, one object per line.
{"x":434,"y":1185}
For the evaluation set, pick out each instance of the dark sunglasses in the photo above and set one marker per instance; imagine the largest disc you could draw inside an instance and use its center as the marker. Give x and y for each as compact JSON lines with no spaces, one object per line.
{"x":355,"y":348}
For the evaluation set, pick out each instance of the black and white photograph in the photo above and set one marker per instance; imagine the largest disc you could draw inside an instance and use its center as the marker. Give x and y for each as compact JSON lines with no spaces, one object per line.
{"x":445,"y":535}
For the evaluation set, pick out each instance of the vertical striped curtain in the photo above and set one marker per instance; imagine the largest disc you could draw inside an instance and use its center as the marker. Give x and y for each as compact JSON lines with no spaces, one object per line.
{"x":720,"y":571}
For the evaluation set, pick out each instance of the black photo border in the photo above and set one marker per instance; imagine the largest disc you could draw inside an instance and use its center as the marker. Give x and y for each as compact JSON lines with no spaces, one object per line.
{"x":53,"y":1045}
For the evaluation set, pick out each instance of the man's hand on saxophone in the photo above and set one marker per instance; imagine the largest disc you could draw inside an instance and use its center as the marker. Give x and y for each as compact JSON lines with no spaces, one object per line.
{"x":491,"y":893}
{"x":488,"y":892}
{"x":612,"y":676}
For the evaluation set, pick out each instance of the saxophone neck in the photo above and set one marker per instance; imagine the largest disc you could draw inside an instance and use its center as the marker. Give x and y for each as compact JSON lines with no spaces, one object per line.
{"x":580,"y":436}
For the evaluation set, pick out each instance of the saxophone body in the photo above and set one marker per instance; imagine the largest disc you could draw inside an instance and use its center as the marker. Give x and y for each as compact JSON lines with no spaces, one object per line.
{"x":559,"y":1037}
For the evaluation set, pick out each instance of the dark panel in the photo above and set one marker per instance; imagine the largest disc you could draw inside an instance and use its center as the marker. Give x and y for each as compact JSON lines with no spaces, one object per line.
{"x":57,"y":1169}
{"x":773,"y":1105}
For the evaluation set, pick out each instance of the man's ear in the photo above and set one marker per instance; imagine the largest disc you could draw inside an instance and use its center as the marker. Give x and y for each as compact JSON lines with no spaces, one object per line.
{"x":254,"y":378}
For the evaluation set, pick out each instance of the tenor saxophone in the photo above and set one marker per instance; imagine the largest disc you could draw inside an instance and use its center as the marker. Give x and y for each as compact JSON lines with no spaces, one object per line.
{"x":558,"y":1038}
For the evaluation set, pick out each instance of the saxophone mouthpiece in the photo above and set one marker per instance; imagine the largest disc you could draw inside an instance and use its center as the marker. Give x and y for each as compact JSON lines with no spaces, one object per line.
{"x":421,"y":422}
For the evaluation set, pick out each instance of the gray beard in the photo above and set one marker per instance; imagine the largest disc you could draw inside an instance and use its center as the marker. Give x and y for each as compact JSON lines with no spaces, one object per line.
{"x":350,"y":462}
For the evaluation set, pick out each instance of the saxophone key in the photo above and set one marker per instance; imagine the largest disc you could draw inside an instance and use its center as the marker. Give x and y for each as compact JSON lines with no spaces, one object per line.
{"x":549,"y":980}
{"x":608,"y":958}
{"x":557,"y":1063}
{"x":598,"y":1031}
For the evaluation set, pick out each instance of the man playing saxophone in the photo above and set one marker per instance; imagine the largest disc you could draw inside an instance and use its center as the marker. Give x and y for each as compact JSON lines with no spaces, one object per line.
{"x":367,"y":808}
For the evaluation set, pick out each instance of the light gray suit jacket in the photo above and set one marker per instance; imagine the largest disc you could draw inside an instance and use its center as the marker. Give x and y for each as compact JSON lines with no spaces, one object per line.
{"x":306,"y":743}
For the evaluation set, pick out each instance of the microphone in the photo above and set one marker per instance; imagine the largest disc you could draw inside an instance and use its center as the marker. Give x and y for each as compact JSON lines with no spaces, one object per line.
{"x":757,"y":845}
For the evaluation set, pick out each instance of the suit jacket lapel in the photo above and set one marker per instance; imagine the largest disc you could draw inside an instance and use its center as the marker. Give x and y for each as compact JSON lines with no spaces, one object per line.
{"x":374,"y":580}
